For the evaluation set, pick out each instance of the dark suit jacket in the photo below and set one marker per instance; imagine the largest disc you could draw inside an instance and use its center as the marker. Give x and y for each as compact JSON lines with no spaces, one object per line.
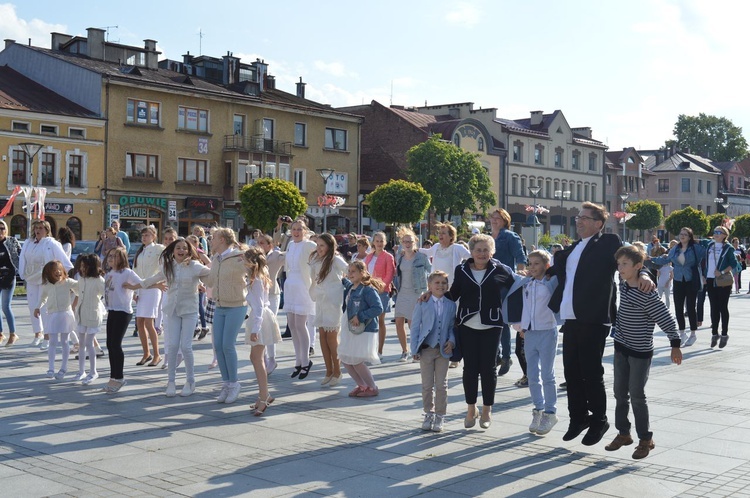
{"x":594,"y":290}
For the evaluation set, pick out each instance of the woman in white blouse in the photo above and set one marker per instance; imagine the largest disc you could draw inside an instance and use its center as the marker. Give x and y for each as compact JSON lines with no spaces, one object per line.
{"x":146,"y":264}
{"x":446,"y":254}
{"x":39,"y":250}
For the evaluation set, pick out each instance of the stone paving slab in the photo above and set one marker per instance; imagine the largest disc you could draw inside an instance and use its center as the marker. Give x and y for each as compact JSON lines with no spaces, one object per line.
{"x":64,"y":439}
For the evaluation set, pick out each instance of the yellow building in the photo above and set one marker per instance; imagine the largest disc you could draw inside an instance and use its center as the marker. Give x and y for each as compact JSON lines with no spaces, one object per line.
{"x":66,"y":141}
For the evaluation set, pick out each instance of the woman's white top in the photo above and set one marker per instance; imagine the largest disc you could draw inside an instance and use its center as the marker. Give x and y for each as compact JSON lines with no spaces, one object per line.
{"x":35,"y":254}
{"x":58,"y":296}
{"x":147,"y":263}
{"x":446,"y":258}
{"x":182,"y":293}
{"x":90,"y":309}
{"x":117,"y":297}
{"x":67,"y":249}
{"x":297,"y":257}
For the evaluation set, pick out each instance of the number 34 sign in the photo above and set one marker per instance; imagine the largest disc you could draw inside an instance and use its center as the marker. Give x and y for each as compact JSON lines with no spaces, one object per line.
{"x":202,"y":146}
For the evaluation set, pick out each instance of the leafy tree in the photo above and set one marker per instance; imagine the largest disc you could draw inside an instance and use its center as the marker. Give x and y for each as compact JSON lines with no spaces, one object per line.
{"x":742,"y":226}
{"x":453,"y":177}
{"x":710,"y":136}
{"x":264,"y":200}
{"x":688,"y":217}
{"x":398,"y":201}
{"x":716,"y":220}
{"x":648,"y":215}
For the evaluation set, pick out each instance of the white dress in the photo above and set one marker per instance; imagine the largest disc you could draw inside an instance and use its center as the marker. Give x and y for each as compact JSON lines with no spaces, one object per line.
{"x":262,"y":321}
{"x":146,"y":266}
{"x":357,"y":348}
{"x":297,"y":285}
{"x":328,"y":295}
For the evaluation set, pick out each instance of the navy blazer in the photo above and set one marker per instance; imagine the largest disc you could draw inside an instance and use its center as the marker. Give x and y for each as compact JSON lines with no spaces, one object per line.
{"x":485,"y":297}
{"x":425,"y":319}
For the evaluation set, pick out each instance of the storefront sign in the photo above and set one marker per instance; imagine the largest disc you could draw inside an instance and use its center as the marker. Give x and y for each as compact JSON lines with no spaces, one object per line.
{"x":139,"y":212}
{"x":58,"y":208}
{"x":114,"y":213}
{"x":338,"y":183}
{"x":172,"y":212}
{"x":202,"y":146}
{"x":229,"y":213}
{"x":201,"y":203}
{"x":127,"y":200}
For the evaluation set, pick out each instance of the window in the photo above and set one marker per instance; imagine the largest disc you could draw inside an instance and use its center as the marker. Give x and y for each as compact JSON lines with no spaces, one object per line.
{"x":48,"y":129}
{"x":592,"y":162}
{"x":300,"y":134}
{"x":74,"y":223}
{"x":238,"y":124}
{"x":686,"y":184}
{"x":48,"y":169}
{"x":663,"y":185}
{"x":700,"y":186}
{"x":731,"y":184}
{"x":538,"y":152}
{"x":335,"y":139}
{"x":19,"y":126}
{"x":524,"y":191}
{"x":643,"y":183}
{"x":576,"y":160}
{"x":683,"y":206}
{"x":457,"y":140}
{"x":228,"y":173}
{"x":548,"y":188}
{"x":480,"y":143}
{"x":557,"y":184}
{"x":300,"y":179}
{"x":514,"y":185}
{"x":665,"y":209}
{"x":192,"y":170}
{"x":593,"y":193}
{"x":143,"y":112}
{"x":708,"y":210}
{"x":708,"y":187}
{"x":518,"y":151}
{"x":192,"y":119}
{"x":76,"y":133}
{"x":20,"y":162}
{"x":75,"y":171}
{"x":283,"y":171}
{"x":578,"y":192}
{"x":558,"y":158}
{"x":586,"y":193}
{"x":609,"y":179}
{"x":143,"y":166}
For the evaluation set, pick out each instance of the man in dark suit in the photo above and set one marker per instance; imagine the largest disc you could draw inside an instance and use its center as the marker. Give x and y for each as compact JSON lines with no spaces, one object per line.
{"x":585,"y":299}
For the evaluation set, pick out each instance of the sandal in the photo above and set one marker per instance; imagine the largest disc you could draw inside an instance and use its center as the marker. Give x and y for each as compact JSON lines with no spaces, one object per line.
{"x":260,"y":403}
{"x":305,"y":370}
{"x":114,"y":385}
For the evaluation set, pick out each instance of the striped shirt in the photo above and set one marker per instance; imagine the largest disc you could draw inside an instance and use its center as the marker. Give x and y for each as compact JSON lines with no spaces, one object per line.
{"x":636,"y":316}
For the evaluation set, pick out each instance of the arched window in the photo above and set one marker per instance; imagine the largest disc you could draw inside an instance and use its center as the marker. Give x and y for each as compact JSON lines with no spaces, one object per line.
{"x":480,"y":143}
{"x":74,"y":223}
{"x":457,"y":140}
{"x":18,"y":226}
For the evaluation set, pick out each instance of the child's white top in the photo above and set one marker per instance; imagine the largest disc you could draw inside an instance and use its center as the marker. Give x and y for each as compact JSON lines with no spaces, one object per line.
{"x":664,"y":273}
{"x":182,"y":294}
{"x":536,"y":314}
{"x":89,"y":310}
{"x":58,"y":296}
{"x":257,"y":298}
{"x":116,"y":297}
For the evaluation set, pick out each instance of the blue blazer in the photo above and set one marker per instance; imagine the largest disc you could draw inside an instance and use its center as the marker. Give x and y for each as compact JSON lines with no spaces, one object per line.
{"x":425,"y":319}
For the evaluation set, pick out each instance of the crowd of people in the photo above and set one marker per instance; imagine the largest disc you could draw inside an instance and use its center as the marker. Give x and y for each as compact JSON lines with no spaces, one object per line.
{"x":459,"y":301}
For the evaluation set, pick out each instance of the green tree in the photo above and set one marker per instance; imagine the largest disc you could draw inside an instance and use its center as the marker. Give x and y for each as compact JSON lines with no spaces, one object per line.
{"x":742,"y":226}
{"x":454,"y":178}
{"x":716,"y":220}
{"x":688,"y":217}
{"x":398,"y":201}
{"x":264,"y":200}
{"x":710,"y":136}
{"x":648,"y":215}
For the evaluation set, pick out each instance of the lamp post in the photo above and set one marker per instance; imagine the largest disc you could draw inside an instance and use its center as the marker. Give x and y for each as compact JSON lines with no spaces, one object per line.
{"x":721,"y":202}
{"x":31,"y":149}
{"x":624,"y":196}
{"x":563,"y":195}
{"x":535,"y":191}
{"x":325,"y":174}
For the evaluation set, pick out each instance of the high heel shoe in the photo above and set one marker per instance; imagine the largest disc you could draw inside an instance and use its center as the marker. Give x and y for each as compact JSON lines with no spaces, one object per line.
{"x":145,"y":360}
{"x":261,"y":406}
{"x":305,"y":370}
{"x":156,"y":361}
{"x":12,"y":338}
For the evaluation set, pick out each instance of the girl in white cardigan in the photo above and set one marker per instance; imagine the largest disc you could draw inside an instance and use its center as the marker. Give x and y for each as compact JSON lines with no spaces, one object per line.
{"x":146,"y":264}
{"x":89,"y":313}
{"x":58,"y":292}
{"x":181,"y":272}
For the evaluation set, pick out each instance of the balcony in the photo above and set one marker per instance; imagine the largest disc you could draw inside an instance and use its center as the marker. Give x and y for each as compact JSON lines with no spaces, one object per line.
{"x":256,"y":143}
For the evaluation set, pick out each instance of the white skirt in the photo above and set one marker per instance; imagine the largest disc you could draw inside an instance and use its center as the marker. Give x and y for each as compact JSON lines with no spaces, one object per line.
{"x":355,"y":349}
{"x":269,"y":330}
{"x":297,"y":295}
{"x":148,"y":303}
{"x":59,"y":322}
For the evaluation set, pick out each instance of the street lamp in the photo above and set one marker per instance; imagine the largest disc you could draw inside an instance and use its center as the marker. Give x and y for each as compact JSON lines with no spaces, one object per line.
{"x":624,"y":196}
{"x":535,"y":191}
{"x":563,"y":196}
{"x":325,"y":174}
{"x":721,"y":202}
{"x":31,"y":149}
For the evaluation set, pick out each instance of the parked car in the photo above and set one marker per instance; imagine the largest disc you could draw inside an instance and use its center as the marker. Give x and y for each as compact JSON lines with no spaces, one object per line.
{"x":82,"y":247}
{"x":134,"y":246}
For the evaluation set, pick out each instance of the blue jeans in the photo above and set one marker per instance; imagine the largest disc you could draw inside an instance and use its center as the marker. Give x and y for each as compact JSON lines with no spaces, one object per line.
{"x":540,"y":347}
{"x":7,"y":295}
{"x":202,"y":308}
{"x":227,"y":324}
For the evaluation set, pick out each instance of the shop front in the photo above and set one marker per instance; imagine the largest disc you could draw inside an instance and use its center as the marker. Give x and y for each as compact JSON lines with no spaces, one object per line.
{"x":203,"y":211}
{"x":136,"y":212}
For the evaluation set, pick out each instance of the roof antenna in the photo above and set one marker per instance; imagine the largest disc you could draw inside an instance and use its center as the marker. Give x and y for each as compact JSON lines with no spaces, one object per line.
{"x":106,"y":28}
{"x":391,"y":92}
{"x":200,"y":41}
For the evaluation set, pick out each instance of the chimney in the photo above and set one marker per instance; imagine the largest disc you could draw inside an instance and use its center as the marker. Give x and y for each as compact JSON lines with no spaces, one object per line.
{"x":270,"y":82}
{"x":95,"y":43}
{"x":9,"y":42}
{"x":152,"y":56}
{"x":261,"y":70}
{"x":536,"y":118}
{"x":301,"y":88}
{"x":59,"y":39}
{"x":230,"y":69}
{"x":187,"y":58}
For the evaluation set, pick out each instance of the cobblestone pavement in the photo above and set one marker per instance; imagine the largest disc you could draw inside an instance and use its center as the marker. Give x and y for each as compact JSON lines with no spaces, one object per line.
{"x":64,"y":439}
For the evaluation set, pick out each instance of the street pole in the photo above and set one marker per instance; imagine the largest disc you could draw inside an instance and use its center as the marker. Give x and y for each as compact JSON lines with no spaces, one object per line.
{"x":31,"y":150}
{"x":563,"y":196}
{"x":535,"y":191}
{"x":325,"y":174}
{"x":624,"y":196}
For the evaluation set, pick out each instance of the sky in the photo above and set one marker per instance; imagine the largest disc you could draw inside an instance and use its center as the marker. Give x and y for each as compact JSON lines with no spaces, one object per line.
{"x":625,"y":69}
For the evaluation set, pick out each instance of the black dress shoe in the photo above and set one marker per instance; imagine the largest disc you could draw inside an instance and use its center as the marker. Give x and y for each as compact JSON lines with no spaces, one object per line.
{"x":574,"y":429}
{"x":305,"y":370}
{"x":595,"y":434}
{"x":297,"y":370}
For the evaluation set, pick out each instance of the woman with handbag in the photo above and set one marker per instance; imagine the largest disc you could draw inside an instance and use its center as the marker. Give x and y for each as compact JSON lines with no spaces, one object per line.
{"x":412,"y":268}
{"x":718,"y":266}
{"x":686,"y":258}
{"x":9,"y":251}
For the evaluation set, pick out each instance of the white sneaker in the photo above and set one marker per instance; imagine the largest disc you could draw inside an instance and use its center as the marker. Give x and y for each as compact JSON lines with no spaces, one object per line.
{"x":233,"y":391}
{"x":427,"y":423}
{"x":404,"y":357}
{"x":437,"y":424}
{"x":171,"y":390}
{"x":548,"y":422}
{"x":90,"y":378}
{"x":187,"y":389}
{"x":44,"y":345}
{"x":79,"y":376}
{"x":223,"y":394}
{"x":690,"y":340}
{"x":683,"y":337}
{"x":37,"y":340}
{"x":536,"y":418}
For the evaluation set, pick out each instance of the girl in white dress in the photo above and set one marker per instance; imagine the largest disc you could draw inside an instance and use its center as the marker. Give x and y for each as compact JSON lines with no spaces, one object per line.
{"x":261,"y":328}
{"x":58,"y":292}
{"x":146,"y":264}
{"x":297,"y":302}
{"x":328,"y":268}
{"x":89,"y":313}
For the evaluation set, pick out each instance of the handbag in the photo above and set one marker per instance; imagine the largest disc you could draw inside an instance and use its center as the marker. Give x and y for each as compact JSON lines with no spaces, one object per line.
{"x":358,"y":329}
{"x":724,"y":280}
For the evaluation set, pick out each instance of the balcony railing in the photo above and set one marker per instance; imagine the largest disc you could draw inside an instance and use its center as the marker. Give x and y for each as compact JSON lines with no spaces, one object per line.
{"x":256,"y":143}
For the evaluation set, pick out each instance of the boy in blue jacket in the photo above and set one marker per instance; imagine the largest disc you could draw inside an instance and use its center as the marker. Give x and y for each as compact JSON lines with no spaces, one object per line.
{"x":432,"y":342}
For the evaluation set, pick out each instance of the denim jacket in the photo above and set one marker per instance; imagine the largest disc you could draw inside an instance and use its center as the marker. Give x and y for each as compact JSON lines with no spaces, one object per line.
{"x":727,"y":260}
{"x":420,"y":268}
{"x":364,"y":301}
{"x":683,"y":272}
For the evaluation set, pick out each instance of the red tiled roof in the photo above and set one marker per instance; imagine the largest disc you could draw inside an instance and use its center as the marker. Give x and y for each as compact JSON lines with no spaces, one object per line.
{"x":17,"y":92}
